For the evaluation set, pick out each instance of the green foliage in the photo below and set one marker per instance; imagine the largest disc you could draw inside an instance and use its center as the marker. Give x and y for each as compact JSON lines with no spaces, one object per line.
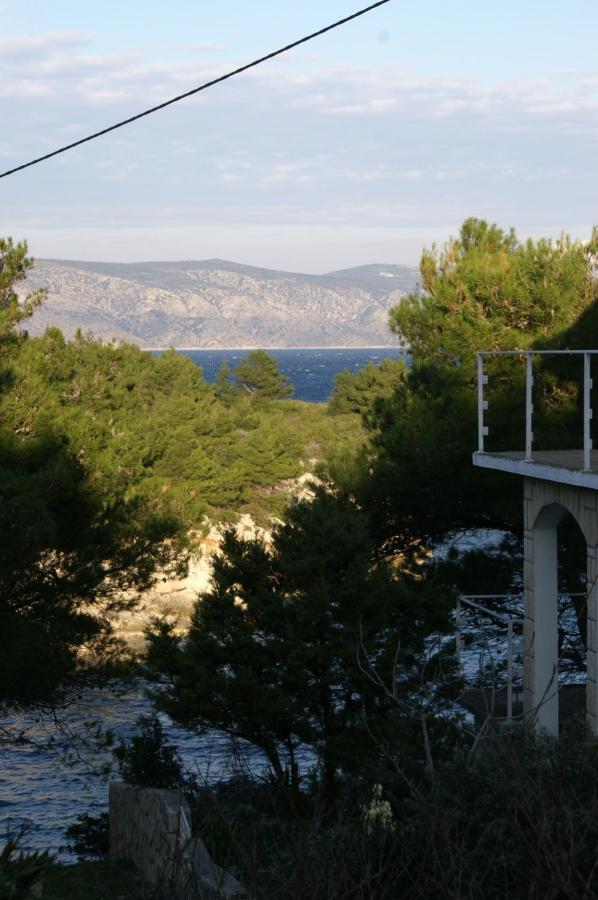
{"x":487,"y":290}
{"x":109,"y":456}
{"x":258,"y":376}
{"x":225,"y":387}
{"x":14,"y":265}
{"x":356,"y":391}
{"x":147,"y":760}
{"x":153,"y":427}
{"x":88,"y":836}
{"x":69,"y":551}
{"x":75,"y":536}
{"x":483,"y":290}
{"x":281,"y":652}
{"x":416,"y":478}
{"x":21,"y":873}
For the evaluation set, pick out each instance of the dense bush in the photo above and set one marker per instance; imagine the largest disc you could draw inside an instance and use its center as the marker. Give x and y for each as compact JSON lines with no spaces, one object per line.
{"x":147,"y":760}
{"x":109,"y":457}
{"x":154,"y":427}
{"x":517,"y":822}
{"x":357,"y":391}
{"x":88,"y":836}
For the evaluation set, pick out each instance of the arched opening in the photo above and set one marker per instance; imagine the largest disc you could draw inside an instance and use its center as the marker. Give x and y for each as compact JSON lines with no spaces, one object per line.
{"x":572,"y":620}
{"x":555,"y":619}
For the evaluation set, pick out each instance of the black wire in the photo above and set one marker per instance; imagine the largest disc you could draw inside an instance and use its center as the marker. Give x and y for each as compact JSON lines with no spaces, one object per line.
{"x":202,"y":87}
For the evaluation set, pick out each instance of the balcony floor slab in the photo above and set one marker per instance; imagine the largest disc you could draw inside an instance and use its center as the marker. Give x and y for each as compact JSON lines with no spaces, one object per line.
{"x":562,"y":466}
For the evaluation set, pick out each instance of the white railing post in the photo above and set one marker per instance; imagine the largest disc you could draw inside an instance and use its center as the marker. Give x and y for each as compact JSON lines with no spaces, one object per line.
{"x":587,"y":412}
{"x":482,"y":404}
{"x":572,"y":459}
{"x":458,"y":624}
{"x":529,"y":406}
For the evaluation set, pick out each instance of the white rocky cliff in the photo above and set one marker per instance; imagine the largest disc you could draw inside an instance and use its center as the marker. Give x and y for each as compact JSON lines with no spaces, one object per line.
{"x":174,"y":598}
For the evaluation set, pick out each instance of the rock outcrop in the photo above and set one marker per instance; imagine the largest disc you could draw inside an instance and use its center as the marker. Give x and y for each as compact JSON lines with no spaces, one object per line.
{"x":174,"y":599}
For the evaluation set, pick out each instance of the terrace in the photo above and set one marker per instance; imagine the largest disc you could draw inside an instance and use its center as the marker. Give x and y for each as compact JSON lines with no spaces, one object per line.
{"x":548,"y":460}
{"x":539,"y":422}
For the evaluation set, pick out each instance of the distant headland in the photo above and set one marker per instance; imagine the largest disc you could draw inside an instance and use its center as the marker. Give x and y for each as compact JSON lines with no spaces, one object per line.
{"x":216,"y":304}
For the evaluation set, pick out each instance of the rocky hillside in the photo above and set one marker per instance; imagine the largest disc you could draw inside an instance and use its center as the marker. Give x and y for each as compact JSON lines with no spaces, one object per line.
{"x":215,"y":303}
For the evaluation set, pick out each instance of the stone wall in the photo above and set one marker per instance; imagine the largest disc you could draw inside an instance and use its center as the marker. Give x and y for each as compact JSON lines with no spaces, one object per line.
{"x":151,"y":829}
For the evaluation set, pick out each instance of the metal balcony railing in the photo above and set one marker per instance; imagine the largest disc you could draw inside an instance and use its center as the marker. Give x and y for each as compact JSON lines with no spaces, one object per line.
{"x":528,"y":357}
{"x":471,"y":601}
{"x":507,"y":621}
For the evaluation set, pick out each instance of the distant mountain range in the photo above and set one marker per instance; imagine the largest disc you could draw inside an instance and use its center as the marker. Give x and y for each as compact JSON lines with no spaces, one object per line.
{"x":215,"y":303}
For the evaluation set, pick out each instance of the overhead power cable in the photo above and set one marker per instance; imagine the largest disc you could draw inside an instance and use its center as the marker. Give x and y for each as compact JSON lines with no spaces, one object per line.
{"x":202,"y":87}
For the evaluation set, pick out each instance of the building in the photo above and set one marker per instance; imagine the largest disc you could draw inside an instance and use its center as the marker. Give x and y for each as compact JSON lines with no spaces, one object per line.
{"x":555,"y":482}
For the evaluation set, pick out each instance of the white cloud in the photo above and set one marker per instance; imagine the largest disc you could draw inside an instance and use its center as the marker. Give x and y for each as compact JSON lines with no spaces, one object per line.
{"x":339,"y":147}
{"x":207,"y":47}
{"x":37,"y":45}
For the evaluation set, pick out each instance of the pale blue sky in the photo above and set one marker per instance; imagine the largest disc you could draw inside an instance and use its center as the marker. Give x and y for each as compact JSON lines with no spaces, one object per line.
{"x":363,"y":146}
{"x":484,"y":39}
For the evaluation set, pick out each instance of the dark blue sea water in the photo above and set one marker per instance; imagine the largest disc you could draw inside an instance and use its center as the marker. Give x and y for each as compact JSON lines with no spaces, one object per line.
{"x":311,"y":370}
{"x":46,"y":788}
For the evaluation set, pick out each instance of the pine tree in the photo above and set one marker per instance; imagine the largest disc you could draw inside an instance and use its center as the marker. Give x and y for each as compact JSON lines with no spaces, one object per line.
{"x":278,"y":650}
{"x":259,"y":375}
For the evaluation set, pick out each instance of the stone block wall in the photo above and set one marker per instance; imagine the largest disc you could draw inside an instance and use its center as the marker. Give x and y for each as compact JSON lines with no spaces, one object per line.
{"x":151,"y":828}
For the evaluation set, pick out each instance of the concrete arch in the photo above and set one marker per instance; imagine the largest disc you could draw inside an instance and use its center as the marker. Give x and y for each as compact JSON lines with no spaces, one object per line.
{"x":545,"y":506}
{"x":551,"y":516}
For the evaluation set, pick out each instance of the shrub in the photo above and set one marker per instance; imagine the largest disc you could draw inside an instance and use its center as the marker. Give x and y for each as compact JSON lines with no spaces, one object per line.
{"x":21,"y":874}
{"x":147,"y":760}
{"x":518,"y":820}
{"x":87,"y":836}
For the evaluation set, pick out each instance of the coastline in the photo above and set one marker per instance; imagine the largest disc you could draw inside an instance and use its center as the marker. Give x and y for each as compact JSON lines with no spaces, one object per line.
{"x":261,"y":347}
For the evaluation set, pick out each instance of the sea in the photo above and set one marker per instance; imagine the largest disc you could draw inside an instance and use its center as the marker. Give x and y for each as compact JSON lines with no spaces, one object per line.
{"x":58,"y":772}
{"x":310,"y":370}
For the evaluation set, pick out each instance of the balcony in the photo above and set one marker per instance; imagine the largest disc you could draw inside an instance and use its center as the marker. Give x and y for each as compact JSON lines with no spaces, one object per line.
{"x":565,"y":455}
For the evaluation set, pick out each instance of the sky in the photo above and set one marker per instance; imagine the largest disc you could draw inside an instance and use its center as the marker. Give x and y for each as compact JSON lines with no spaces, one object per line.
{"x":364,"y":146}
